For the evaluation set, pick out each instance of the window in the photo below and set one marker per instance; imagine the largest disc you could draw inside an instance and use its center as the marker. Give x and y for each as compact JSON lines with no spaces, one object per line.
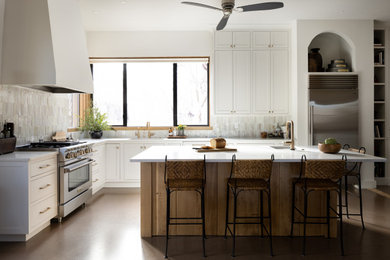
{"x":164,"y":92}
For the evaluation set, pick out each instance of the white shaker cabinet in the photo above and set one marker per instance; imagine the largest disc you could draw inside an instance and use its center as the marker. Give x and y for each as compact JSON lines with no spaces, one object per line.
{"x":225,"y":40}
{"x":232,"y":82}
{"x":28,"y":194}
{"x":131,"y":170}
{"x":113,"y":163}
{"x":270,"y":81}
{"x":98,"y":167}
{"x":270,"y":40}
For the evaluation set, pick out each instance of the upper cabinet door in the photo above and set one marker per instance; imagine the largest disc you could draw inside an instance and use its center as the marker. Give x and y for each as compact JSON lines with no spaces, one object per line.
{"x":279,"y":39}
{"x":261,"y":81}
{"x":280,"y":81}
{"x":223,"y":70}
{"x":242,"y":81}
{"x":261,"y":40}
{"x":223,"y":40}
{"x":232,"y":40}
{"x":241,"y":40}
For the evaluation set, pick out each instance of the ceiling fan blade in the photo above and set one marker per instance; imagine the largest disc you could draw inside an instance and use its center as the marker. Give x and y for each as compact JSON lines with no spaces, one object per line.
{"x":202,"y":5}
{"x":261,"y":6}
{"x":223,"y":22}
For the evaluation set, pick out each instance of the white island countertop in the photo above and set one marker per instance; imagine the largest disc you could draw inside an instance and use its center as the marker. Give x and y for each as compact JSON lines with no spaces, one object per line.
{"x":247,"y":152}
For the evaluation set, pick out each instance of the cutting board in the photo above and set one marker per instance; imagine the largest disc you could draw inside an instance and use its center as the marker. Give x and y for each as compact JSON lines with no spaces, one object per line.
{"x":200,"y":150}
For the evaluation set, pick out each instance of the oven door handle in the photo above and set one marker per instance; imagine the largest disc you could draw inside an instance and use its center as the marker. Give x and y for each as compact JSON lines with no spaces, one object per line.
{"x":78,"y":166}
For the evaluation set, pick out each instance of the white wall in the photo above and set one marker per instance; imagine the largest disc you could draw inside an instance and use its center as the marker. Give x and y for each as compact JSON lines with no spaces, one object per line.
{"x":149,"y":44}
{"x":359,"y":34}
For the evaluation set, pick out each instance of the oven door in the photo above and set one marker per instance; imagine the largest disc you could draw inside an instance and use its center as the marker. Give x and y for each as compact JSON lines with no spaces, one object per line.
{"x":75,"y":179}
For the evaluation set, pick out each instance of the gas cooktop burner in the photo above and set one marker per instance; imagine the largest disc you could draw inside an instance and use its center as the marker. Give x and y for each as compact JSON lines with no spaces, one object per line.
{"x":54,"y":144}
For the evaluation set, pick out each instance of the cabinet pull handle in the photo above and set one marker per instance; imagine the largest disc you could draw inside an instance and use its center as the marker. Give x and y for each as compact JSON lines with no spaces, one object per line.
{"x":44,"y":187}
{"x":96,"y":180}
{"x":43,"y":211}
{"x":94,"y":164}
{"x":45,"y":166}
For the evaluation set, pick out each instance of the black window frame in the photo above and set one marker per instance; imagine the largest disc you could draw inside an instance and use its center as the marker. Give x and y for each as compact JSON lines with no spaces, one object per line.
{"x":175,"y":88}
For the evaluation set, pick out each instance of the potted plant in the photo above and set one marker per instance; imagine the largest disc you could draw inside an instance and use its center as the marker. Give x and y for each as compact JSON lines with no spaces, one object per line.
{"x":94,"y":122}
{"x":180,"y":130}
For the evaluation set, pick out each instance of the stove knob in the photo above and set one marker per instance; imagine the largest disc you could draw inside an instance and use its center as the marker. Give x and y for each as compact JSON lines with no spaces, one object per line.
{"x":68,"y":156}
{"x":82,"y":152}
{"x":86,"y":150}
{"x":74,"y":155}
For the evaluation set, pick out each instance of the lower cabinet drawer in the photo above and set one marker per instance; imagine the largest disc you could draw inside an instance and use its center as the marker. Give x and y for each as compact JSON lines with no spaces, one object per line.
{"x":43,"y":211}
{"x":44,"y":166}
{"x":43,"y":187}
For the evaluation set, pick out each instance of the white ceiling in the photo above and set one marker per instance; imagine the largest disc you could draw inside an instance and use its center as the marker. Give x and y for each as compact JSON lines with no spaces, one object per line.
{"x":168,"y":15}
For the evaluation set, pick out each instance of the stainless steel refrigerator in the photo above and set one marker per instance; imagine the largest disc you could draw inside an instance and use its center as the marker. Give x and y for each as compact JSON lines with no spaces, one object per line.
{"x":334,"y":113}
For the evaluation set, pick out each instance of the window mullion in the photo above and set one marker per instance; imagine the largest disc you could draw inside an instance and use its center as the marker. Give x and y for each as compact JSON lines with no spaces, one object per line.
{"x":175,"y":94}
{"x":124,"y":94}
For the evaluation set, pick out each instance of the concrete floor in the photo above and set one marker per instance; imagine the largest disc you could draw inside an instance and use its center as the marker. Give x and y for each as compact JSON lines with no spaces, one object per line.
{"x":108,"y":228}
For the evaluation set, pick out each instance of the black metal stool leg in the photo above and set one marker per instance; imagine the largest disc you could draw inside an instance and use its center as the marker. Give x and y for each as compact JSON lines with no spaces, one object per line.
{"x":341,"y":222}
{"x":292,"y":210}
{"x":361,"y":200}
{"x":261,"y":214}
{"x":167,"y":221}
{"x":304,"y":222}
{"x":234,"y":222}
{"x":346,"y":195}
{"x":203,"y":223}
{"x":270,"y":222}
{"x":227,"y":210}
{"x":328,"y":211}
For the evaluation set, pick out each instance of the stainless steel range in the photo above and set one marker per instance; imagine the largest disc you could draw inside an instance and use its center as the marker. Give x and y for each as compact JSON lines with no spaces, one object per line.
{"x":75,"y":173}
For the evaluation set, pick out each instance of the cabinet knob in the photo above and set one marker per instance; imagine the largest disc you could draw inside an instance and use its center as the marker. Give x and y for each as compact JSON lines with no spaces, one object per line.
{"x":231,"y":45}
{"x":269,"y":45}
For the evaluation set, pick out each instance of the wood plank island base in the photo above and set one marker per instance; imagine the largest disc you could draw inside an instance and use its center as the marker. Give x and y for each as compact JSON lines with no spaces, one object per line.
{"x":286,"y":167}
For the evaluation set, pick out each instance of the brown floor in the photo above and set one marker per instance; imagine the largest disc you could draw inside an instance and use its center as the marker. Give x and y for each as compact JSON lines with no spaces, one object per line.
{"x":108,"y":228}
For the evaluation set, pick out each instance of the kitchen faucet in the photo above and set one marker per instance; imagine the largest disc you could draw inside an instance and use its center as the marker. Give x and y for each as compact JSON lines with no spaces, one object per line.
{"x":290,"y":132}
{"x":148,"y":128}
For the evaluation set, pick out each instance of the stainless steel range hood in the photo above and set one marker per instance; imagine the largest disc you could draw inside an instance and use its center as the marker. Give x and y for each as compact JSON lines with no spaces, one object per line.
{"x":44,"y":46}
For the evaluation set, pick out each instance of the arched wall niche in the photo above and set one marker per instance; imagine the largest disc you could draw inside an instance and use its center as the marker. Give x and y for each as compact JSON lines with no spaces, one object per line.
{"x":333,"y":46}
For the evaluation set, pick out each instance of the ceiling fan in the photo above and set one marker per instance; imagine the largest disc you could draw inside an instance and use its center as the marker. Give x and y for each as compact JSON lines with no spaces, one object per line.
{"x":228,"y":8}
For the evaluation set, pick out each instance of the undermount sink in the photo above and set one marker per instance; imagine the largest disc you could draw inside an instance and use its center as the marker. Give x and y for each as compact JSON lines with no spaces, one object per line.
{"x":280,"y":147}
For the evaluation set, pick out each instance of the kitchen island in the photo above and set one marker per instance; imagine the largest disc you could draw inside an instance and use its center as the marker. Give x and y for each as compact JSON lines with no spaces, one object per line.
{"x":185,"y":204}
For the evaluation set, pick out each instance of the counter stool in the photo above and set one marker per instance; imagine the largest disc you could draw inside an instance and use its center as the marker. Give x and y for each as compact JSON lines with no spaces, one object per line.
{"x":319,"y":175}
{"x":353,"y":170}
{"x":246,"y":175}
{"x":185,"y":176}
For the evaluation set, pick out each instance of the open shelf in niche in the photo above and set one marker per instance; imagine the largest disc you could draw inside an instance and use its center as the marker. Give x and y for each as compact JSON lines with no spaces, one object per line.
{"x":332,"y":46}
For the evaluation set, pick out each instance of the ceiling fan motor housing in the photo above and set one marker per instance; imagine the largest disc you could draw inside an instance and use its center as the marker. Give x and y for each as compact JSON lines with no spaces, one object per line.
{"x":228,"y":5}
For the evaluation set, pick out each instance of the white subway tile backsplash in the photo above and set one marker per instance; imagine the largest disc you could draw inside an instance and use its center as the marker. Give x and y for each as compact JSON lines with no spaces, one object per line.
{"x":36,"y":114}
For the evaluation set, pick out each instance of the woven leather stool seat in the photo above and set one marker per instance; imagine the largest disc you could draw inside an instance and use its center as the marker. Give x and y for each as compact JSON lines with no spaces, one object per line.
{"x":249,"y":175}
{"x":186,"y":184}
{"x":248,"y":184}
{"x":323,"y":176}
{"x":317,"y":184}
{"x":185,"y":176}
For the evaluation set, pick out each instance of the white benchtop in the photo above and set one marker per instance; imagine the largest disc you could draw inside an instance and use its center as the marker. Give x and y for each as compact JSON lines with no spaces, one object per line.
{"x":246,"y":152}
{"x":24,"y":156}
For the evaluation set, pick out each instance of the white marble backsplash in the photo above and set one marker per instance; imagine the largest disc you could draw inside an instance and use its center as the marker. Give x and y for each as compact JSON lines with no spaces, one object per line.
{"x":239,"y":126}
{"x":36,"y":114}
